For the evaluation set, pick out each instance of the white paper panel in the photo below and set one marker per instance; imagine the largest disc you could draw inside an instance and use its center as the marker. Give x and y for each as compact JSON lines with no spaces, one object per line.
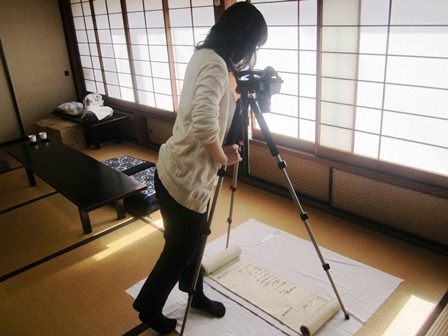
{"x":366,"y":144}
{"x":339,"y":65}
{"x":415,"y":128}
{"x":418,"y":12}
{"x":340,"y":12}
{"x":370,"y":94}
{"x":338,"y":90}
{"x":418,"y":71}
{"x":425,"y":157}
{"x":372,"y":68}
{"x":417,"y":100}
{"x":368,"y":120}
{"x":340,"y":39}
{"x":337,"y":138}
{"x":374,"y":12}
{"x":419,"y":41}
{"x":337,"y":115}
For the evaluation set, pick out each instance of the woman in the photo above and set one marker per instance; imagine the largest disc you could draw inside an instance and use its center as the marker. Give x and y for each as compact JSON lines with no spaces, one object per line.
{"x":189,"y":160}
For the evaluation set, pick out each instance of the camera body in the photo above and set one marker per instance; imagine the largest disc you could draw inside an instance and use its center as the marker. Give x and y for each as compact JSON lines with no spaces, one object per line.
{"x":262,"y":84}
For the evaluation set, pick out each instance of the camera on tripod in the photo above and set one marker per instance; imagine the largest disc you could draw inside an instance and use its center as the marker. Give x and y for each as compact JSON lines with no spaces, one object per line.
{"x":262,"y":84}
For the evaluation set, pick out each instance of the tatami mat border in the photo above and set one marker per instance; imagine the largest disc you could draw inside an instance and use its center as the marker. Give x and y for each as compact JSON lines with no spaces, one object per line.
{"x":66,"y":250}
{"x":28,"y":202}
{"x":137,"y":330}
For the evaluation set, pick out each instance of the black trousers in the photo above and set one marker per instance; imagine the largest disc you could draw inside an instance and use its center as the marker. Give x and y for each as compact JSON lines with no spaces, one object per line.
{"x":179,"y":257}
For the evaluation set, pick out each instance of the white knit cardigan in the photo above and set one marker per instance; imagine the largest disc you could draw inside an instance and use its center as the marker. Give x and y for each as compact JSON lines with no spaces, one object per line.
{"x":206,"y":109}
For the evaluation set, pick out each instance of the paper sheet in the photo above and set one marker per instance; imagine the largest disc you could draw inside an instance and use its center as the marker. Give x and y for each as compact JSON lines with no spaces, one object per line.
{"x":283,"y":300}
{"x":287,"y":302}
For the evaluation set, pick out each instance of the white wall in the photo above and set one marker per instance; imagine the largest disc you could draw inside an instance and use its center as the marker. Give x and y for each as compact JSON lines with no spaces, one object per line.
{"x":34,"y":44}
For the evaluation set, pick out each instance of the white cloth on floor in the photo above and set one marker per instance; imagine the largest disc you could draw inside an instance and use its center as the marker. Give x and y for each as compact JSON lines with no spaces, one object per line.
{"x":362,"y":288}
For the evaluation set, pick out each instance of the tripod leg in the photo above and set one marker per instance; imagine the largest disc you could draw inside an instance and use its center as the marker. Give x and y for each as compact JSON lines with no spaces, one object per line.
{"x":202,"y":243}
{"x":303,"y":215}
{"x":232,"y":201}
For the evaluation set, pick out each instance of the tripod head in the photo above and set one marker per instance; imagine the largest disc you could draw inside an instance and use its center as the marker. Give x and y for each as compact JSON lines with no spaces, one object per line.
{"x":255,"y":88}
{"x":259,"y":84}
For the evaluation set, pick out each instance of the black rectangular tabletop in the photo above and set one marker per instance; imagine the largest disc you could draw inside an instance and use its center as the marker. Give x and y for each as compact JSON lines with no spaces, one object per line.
{"x":85,"y":181}
{"x":77,"y":119}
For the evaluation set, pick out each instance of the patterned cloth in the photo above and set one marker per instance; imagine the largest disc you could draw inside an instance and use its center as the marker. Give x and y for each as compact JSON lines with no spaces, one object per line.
{"x":145,"y":202}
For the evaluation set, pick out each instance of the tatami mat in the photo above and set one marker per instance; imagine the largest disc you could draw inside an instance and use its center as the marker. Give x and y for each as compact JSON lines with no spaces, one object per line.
{"x":16,"y":189}
{"x":440,"y":326}
{"x":44,"y":227}
{"x":83,"y":291}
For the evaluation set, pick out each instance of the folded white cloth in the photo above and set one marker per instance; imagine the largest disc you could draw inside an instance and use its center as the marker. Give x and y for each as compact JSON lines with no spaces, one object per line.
{"x":99,"y":111}
{"x":72,"y":108}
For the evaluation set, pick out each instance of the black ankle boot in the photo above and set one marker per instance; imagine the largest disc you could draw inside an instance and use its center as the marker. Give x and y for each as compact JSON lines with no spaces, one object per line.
{"x":214,"y":308}
{"x":158,"y":322}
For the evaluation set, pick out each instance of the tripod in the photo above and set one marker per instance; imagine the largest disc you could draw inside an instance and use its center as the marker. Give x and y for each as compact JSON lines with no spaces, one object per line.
{"x":238,"y":130}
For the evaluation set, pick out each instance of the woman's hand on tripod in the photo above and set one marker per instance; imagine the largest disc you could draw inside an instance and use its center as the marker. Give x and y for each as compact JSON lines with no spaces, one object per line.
{"x":226,"y":156}
{"x":233,"y":154}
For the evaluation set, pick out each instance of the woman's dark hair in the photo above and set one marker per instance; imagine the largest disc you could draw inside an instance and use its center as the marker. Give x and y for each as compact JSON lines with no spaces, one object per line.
{"x":237,"y":34}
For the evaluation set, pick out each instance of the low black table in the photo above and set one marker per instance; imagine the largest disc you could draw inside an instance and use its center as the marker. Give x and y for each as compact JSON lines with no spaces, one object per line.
{"x":86,"y":182}
{"x":96,"y":131}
